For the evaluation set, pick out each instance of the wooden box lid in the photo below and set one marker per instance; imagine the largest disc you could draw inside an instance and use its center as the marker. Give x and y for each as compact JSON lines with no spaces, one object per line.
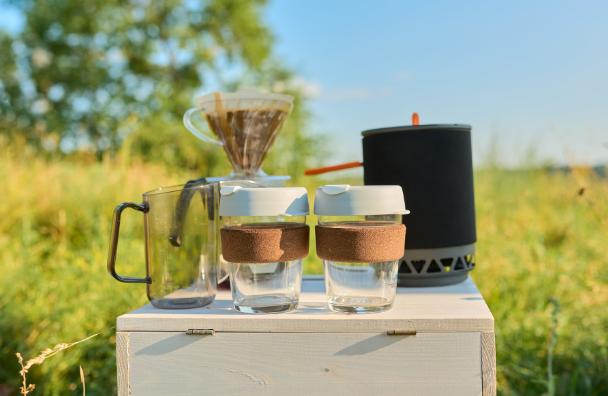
{"x":455,"y":308}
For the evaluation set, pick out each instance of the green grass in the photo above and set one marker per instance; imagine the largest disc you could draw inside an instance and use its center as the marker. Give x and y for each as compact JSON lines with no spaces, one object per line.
{"x":542,"y":236}
{"x":538,"y":238}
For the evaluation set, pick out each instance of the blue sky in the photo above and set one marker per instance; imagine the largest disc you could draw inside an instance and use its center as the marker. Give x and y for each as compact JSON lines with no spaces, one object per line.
{"x":534,"y":74}
{"x":531,"y":74}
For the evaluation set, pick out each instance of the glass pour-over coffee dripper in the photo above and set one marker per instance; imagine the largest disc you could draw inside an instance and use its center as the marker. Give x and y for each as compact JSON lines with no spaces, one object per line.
{"x":246,"y":124}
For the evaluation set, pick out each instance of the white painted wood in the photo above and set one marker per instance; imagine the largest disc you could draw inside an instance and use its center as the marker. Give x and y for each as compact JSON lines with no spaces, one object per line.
{"x":122,"y":363}
{"x":304,"y":364}
{"x":488,"y":364}
{"x":456,"y":308}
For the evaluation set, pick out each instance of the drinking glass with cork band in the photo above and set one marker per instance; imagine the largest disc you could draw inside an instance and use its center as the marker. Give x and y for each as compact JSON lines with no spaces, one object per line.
{"x":360,"y":238}
{"x":264,"y":240}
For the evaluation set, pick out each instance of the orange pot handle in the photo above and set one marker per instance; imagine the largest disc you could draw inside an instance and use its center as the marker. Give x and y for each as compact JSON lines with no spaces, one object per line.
{"x":325,"y":169}
{"x":356,"y":164}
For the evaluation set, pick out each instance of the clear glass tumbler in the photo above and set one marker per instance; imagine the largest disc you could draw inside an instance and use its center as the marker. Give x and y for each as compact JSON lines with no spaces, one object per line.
{"x":359,"y":287}
{"x":247,"y":242}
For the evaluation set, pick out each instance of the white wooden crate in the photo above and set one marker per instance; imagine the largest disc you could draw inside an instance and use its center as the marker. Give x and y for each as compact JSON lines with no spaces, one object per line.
{"x":312,"y":351}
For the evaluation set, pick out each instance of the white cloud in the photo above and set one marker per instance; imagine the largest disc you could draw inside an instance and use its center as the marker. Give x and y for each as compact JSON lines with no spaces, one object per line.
{"x":308,"y":88}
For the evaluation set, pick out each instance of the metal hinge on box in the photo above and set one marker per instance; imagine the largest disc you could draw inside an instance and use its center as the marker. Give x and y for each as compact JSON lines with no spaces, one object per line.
{"x":401,"y":332}
{"x":200,"y":332}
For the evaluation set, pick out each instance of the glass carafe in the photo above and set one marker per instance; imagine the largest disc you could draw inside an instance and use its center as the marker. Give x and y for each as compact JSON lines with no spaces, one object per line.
{"x":181,"y":245}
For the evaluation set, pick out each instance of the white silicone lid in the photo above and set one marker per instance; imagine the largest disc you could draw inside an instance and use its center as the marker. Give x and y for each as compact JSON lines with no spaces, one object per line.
{"x":270,"y":201}
{"x":244,"y":94}
{"x":346,"y":200}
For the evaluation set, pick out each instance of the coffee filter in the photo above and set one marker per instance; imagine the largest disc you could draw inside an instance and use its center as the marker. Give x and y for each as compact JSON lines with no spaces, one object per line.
{"x":247,"y":96}
{"x":246,"y":123}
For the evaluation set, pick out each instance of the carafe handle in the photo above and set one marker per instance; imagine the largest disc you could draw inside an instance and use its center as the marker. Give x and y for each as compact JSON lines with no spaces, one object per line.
{"x":194,"y":130}
{"x":114,"y":242}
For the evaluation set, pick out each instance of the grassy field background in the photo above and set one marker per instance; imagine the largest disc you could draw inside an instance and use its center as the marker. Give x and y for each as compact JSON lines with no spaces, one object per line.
{"x":541,"y":235}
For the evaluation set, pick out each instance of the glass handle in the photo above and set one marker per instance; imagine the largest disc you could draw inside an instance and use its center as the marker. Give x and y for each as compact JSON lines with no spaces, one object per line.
{"x":114,"y":242}
{"x":195,"y":131}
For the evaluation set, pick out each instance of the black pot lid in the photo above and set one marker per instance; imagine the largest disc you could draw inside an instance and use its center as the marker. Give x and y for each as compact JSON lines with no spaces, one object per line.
{"x":370,"y":132}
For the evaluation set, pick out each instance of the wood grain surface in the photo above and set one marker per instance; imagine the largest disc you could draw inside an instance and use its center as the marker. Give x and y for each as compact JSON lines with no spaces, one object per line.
{"x":488,"y":364}
{"x":305,"y":364}
{"x":122,"y":362}
{"x":456,"y":308}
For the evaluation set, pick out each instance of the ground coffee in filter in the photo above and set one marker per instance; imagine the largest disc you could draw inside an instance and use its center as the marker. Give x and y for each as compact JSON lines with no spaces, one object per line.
{"x":247,"y":134}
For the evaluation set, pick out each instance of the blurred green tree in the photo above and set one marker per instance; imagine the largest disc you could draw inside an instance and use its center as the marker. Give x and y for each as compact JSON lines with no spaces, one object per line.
{"x":96,"y":75}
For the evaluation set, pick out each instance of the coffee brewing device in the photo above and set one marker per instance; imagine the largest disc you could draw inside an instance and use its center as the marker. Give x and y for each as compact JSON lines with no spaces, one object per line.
{"x":245,"y":124}
{"x":433,"y":164}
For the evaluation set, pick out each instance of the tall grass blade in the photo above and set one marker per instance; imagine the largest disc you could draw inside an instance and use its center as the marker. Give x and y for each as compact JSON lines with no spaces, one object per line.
{"x":82,"y":379}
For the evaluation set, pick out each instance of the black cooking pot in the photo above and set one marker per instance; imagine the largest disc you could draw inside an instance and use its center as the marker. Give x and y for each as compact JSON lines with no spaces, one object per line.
{"x":433,"y":165}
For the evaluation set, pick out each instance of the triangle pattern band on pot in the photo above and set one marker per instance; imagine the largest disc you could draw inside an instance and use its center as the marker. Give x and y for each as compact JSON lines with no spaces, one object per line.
{"x":433,"y":267}
{"x":418,"y":265}
{"x":459,"y":264}
{"x":405,"y":268}
{"x":447,"y":263}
